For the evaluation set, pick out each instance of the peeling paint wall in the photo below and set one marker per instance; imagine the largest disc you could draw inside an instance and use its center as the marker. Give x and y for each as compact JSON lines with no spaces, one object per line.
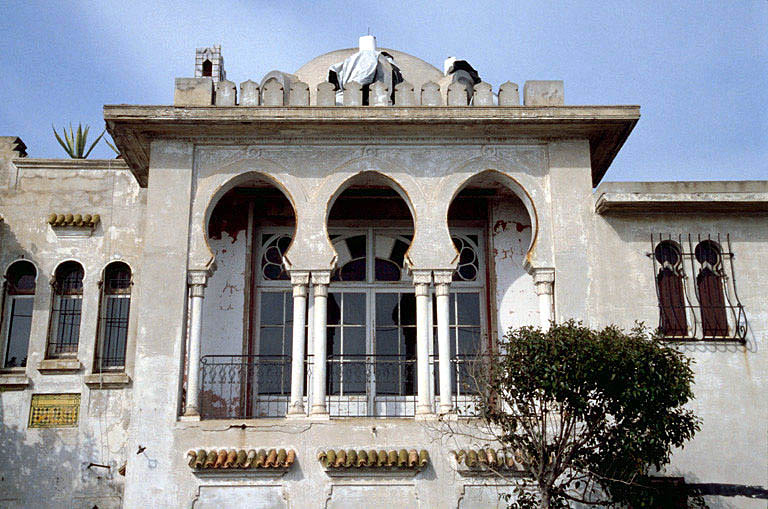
{"x":516,"y":303}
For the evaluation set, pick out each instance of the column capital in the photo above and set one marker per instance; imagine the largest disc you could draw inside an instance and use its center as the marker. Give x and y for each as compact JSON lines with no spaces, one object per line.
{"x":197,"y":279}
{"x":321,"y":277}
{"x":443,"y":276}
{"x":300,"y":282}
{"x":544,"y":279}
{"x":421,"y":276}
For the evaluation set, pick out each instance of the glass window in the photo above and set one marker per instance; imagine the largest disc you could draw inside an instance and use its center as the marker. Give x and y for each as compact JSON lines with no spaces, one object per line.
{"x":19,"y":300}
{"x":67,"y":308}
{"x":272,"y":372}
{"x":113,"y":319}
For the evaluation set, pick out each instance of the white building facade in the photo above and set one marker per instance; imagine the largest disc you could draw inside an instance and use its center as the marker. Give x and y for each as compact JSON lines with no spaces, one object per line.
{"x":272,"y":298}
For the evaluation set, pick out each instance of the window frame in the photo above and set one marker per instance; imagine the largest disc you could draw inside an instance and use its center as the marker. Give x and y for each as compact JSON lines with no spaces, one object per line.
{"x":55,"y":313}
{"x":7,"y":315}
{"x":101,"y":327}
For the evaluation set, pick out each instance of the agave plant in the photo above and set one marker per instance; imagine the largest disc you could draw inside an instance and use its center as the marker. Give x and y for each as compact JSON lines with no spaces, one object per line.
{"x":74,"y":142}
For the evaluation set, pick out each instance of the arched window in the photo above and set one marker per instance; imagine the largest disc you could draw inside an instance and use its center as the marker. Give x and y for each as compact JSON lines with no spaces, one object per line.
{"x":709,"y":283}
{"x":669,"y":283}
{"x":67,"y":308}
{"x":19,"y":296}
{"x":113,"y":316}
{"x":207,"y":68}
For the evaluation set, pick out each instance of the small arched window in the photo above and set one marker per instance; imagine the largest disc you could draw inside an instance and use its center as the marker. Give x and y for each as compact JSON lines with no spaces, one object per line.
{"x":19,"y":296}
{"x":709,"y":283}
{"x":113,"y":316}
{"x":207,"y":68}
{"x":67,"y":309}
{"x":669,"y":283}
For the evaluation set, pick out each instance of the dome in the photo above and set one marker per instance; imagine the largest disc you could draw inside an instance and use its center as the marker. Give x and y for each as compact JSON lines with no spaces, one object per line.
{"x":415,"y":70}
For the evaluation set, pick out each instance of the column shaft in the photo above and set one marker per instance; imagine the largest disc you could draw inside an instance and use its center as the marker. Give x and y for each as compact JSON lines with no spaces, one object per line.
{"x":320,"y":317}
{"x":300,"y":283}
{"x":444,"y":347}
{"x":423,"y":403}
{"x":197,"y":285}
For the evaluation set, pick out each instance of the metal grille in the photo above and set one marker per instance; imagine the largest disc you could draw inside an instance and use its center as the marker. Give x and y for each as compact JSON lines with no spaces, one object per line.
{"x":371,"y":386}
{"x":67,"y":308}
{"x":244,"y":386}
{"x":467,"y":373}
{"x":113,"y":322}
{"x":697,"y":294}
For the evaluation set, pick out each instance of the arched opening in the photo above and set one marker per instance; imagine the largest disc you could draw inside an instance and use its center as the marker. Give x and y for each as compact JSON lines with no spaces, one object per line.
{"x":207,"y":68}
{"x":67,"y":304}
{"x":247,"y":310}
{"x":709,"y":284}
{"x":491,"y":291}
{"x":671,"y":289}
{"x":114,"y":311}
{"x":18,"y":303}
{"x":371,"y":333}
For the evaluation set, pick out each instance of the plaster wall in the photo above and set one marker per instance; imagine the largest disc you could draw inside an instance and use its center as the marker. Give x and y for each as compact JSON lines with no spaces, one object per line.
{"x":730,"y":378}
{"x":49,"y":466}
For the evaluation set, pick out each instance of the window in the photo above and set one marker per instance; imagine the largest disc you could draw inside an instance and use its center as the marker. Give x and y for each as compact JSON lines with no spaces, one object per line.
{"x":67,"y":307}
{"x":705,"y":306}
{"x":19,"y":295}
{"x":709,"y":286}
{"x":207,"y":68}
{"x":669,"y":284}
{"x":113,"y":317}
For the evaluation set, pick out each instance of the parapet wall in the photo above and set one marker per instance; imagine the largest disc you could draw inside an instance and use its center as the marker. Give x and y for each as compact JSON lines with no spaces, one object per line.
{"x":277,"y":92}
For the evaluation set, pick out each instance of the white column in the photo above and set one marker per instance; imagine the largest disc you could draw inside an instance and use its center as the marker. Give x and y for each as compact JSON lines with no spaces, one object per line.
{"x":421,"y":280}
{"x":300,"y":282}
{"x":544,"y":279}
{"x":197,"y":281}
{"x":320,"y":280}
{"x":442,"y":291}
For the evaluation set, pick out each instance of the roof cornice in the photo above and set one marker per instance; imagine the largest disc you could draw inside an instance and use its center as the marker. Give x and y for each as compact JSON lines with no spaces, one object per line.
{"x":134,"y":127}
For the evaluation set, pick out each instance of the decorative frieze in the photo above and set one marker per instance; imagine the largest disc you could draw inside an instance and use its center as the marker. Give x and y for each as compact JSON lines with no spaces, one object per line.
{"x":204,"y":461}
{"x":340,"y":461}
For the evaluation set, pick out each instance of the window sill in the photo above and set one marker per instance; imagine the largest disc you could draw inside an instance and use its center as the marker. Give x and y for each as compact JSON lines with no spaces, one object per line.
{"x":59,"y":366}
{"x":107,"y":380}
{"x":11,"y":381}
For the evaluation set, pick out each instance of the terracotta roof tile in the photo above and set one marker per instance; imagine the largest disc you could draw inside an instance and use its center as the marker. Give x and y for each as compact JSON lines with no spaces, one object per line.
{"x":402,"y":459}
{"x":230,"y":459}
{"x":74,"y":220}
{"x":489,"y":460}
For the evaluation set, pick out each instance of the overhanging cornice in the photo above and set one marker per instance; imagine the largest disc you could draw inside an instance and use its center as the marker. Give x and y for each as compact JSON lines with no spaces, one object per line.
{"x":134,"y":127}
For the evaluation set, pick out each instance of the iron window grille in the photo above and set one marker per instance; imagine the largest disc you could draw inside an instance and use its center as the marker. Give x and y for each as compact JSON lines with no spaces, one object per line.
{"x":114,"y":310}
{"x":696,"y":289}
{"x":67,"y":286}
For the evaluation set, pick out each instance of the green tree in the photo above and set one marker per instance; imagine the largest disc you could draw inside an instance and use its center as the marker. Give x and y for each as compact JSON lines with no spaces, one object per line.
{"x":590,"y":412}
{"x":74,"y":143}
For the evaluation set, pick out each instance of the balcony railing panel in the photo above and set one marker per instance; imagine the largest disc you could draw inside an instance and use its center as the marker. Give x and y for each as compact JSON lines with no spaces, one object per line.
{"x":244,"y":386}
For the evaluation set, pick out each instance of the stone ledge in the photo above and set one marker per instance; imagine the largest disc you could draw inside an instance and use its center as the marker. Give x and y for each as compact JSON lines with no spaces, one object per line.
{"x":107,"y":380}
{"x":59,"y":366}
{"x":14,"y":381}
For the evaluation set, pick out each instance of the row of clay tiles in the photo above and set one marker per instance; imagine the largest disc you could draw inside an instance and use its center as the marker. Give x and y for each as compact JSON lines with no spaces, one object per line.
{"x":74,"y":220}
{"x":373,"y":459}
{"x":204,"y":92}
{"x":489,"y":459}
{"x":232,"y":459}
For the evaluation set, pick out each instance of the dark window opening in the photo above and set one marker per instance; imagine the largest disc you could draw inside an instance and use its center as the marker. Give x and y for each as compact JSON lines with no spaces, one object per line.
{"x":67,"y":308}
{"x":669,"y":282}
{"x":709,"y":284}
{"x":113,"y":319}
{"x":207,"y":68}
{"x":19,"y":301}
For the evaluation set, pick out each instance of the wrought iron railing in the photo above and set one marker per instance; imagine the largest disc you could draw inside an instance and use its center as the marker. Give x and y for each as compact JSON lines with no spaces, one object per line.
{"x":371,"y":386}
{"x":244,"y":386}
{"x":467,"y":373}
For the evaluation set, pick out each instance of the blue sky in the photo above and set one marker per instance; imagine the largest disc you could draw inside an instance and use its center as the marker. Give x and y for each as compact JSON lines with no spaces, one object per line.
{"x":699,"y":70}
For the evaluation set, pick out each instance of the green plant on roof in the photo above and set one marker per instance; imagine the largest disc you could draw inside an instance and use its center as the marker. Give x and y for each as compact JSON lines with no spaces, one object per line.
{"x":74,"y":143}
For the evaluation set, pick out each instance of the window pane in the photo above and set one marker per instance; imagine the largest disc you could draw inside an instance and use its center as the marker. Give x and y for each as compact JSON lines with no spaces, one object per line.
{"x":354,"y":341}
{"x":271,"y":341}
{"x":469,"y":308}
{"x":333,"y":340}
{"x":334,"y":309}
{"x":407,"y":309}
{"x":354,"y":380}
{"x":387,"y":341}
{"x":386,"y":309}
{"x":469,"y":341}
{"x":354,"y":308}
{"x":19,"y":326}
{"x":271,"y":308}
{"x":68,"y":327}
